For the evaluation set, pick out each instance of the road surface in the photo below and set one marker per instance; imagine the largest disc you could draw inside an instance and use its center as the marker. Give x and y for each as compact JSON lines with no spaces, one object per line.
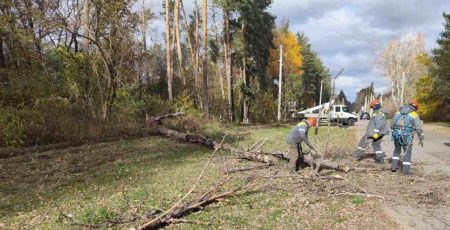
{"x":433,"y":158}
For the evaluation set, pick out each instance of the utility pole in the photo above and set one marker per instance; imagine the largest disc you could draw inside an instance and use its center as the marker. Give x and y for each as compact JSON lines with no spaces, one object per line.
{"x":321,"y":88}
{"x":334,"y":84}
{"x":403,"y":89}
{"x":280,"y":82}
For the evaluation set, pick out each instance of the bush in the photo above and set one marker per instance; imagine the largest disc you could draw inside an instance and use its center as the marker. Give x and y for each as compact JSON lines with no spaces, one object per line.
{"x":264,"y":109}
{"x":15,"y":126}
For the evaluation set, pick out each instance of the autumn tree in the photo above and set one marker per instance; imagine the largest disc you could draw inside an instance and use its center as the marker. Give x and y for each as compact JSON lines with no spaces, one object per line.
{"x":292,"y":63}
{"x":433,"y":88}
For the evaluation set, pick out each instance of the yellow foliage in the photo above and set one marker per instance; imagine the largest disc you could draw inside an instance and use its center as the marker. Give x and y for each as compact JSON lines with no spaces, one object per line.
{"x":424,"y":88}
{"x":292,"y":59}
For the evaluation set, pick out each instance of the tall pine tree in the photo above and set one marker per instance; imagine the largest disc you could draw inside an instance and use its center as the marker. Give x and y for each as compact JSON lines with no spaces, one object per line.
{"x":314,"y":72}
{"x":441,"y":72}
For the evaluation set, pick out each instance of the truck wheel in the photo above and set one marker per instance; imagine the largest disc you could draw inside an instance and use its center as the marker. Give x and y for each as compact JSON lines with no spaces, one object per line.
{"x":351,"y":122}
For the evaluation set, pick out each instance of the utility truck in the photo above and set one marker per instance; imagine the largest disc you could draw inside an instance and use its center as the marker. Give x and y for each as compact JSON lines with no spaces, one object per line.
{"x":328,"y":112}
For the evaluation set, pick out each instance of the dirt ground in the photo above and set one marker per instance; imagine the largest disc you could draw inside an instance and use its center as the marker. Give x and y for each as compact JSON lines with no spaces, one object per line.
{"x":431,"y":160}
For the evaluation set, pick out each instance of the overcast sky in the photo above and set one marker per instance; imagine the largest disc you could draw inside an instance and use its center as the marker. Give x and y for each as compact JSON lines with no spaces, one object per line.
{"x":346,"y":34}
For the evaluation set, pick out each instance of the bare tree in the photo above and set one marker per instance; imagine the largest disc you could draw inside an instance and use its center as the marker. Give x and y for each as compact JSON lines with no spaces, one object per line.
{"x":399,"y":64}
{"x":86,"y":26}
{"x":244,"y":78}
{"x":228,"y":63}
{"x":144,"y":27}
{"x":168,"y":52}
{"x":178,"y":41}
{"x":205,"y":59}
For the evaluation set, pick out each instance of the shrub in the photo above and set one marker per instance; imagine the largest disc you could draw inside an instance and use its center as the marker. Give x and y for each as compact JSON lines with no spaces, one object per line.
{"x":16,"y":124}
{"x":264,"y":109}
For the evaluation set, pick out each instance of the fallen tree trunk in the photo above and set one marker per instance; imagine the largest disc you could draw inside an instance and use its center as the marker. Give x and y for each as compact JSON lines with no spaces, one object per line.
{"x":253,"y":154}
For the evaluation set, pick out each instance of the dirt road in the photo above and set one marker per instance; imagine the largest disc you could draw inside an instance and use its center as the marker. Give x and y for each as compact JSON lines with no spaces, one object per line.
{"x":432,"y":159}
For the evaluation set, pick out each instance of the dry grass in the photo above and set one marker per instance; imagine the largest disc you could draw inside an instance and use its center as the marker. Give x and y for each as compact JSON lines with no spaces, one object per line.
{"x":97,"y":182}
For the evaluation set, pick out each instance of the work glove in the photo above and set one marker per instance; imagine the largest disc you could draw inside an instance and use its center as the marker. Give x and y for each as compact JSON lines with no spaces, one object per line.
{"x":375,"y":136}
{"x":316,"y":154}
{"x":421,"y":142}
{"x":421,"y":138}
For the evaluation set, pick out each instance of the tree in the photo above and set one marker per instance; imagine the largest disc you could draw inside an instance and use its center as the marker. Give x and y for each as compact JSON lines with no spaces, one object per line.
{"x":292,"y":63}
{"x":253,"y":42}
{"x":433,"y":88}
{"x":168,"y":52}
{"x":399,"y":64}
{"x":205,"y":59}
{"x":363,"y":98}
{"x":86,"y":25}
{"x":314,"y":72}
{"x":342,"y":100}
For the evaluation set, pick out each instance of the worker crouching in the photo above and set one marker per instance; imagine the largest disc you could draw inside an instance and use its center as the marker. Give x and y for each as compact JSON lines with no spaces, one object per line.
{"x":298,"y":135}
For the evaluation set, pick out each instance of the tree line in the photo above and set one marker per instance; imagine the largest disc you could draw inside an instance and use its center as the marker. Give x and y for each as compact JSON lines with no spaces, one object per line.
{"x":414,"y":73}
{"x":75,"y":70}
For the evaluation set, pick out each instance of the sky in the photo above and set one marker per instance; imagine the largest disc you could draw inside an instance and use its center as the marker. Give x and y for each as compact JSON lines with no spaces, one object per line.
{"x":347,"y":33}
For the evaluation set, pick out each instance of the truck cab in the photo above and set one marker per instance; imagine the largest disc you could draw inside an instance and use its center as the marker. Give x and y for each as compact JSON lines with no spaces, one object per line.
{"x":340,"y":114}
{"x":335,"y":114}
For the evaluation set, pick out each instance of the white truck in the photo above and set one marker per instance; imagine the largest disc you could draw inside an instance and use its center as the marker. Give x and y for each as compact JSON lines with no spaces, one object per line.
{"x":334,"y":114}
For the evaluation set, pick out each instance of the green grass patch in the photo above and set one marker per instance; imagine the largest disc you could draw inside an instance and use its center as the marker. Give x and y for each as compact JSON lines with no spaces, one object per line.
{"x":357,"y":200}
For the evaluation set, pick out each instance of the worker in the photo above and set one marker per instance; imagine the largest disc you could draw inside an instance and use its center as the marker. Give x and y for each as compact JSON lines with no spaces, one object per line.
{"x":375,"y":131}
{"x":404,"y":123}
{"x":298,"y":135}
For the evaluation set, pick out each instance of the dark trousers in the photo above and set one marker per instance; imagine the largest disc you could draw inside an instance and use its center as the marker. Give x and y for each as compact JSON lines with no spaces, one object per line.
{"x":376,"y":145}
{"x":406,"y":166}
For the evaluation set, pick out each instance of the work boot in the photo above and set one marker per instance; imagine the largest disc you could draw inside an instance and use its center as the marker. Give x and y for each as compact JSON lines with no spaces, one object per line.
{"x":406,"y":173}
{"x":406,"y":169}
{"x":379,"y":161}
{"x":293,"y":172}
{"x":358,"y":153}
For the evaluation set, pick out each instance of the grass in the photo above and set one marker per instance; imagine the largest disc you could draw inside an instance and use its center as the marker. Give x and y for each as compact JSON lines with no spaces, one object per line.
{"x":357,"y":200}
{"x":99,"y":182}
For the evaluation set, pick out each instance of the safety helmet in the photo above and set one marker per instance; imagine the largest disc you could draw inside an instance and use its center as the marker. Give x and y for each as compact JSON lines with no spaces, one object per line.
{"x":414,"y":103}
{"x":375,"y":104}
{"x":312,"y":121}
